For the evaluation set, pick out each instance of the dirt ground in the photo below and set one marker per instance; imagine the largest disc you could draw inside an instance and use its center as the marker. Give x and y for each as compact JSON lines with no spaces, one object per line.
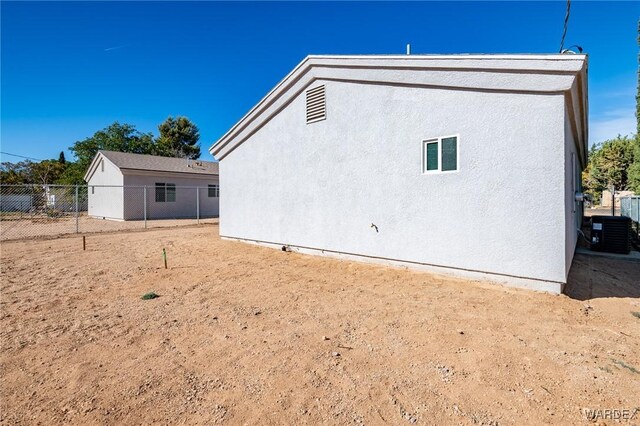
{"x":600,"y":211}
{"x":248,"y":335}
{"x":13,"y":229}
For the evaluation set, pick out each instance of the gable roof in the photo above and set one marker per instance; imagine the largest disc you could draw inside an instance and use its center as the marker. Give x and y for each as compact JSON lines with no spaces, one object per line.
{"x":521,"y":73}
{"x":154,"y":163}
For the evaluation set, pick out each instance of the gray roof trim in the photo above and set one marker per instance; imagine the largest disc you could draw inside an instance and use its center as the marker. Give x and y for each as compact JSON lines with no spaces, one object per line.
{"x":153,"y":163}
{"x":555,"y":74}
{"x":203,"y":175}
{"x":94,"y":166}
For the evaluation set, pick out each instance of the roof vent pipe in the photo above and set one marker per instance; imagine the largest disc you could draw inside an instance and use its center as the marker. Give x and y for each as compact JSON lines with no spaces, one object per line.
{"x":408,"y":49}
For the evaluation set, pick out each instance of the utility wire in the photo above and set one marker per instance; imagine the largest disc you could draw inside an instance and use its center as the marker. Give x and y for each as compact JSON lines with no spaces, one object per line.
{"x":20,"y":156}
{"x":566,"y":24}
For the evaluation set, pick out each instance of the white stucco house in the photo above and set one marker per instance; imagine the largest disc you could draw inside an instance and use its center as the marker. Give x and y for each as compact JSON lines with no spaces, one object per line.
{"x":124,"y":186}
{"x":460,"y":164}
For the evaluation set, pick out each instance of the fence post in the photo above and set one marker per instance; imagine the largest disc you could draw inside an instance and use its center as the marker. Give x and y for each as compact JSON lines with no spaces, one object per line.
{"x":198,"y":204}
{"x":77,"y":215}
{"x":145,"y":206}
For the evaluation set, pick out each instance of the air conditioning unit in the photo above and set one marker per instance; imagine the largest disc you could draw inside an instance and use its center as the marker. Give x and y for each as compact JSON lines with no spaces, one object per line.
{"x":611,"y":234}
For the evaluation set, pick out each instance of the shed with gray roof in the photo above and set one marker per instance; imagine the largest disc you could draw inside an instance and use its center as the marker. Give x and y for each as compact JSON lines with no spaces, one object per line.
{"x":125,"y":186}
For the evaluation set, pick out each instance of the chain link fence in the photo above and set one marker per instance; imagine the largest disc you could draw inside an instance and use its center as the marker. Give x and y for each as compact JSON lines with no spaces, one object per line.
{"x":49,"y":210}
{"x":630,"y":207}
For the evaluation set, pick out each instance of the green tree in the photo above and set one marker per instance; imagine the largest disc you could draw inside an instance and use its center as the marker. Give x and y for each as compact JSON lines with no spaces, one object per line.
{"x":73,"y":174}
{"x":609,"y":164}
{"x":178,"y":138}
{"x":46,"y":172}
{"x":61,"y":158}
{"x":634,"y":169}
{"x":14,"y":173}
{"x":116,"y":137}
{"x":27,"y":172}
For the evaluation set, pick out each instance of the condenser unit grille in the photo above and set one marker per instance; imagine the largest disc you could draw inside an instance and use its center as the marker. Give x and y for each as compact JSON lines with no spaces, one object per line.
{"x":611,"y":234}
{"x":316,"y":104}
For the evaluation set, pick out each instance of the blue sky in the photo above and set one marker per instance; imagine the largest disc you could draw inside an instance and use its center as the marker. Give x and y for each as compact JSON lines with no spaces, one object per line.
{"x":70,"y":69}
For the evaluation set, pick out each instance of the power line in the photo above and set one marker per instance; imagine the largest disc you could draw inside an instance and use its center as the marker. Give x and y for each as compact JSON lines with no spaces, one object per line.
{"x":566,"y":24}
{"x":20,"y":156}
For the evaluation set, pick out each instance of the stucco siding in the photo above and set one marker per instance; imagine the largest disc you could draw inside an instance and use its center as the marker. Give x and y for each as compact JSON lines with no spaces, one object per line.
{"x":106,"y":192}
{"x":573,"y":183}
{"x":323,"y":185}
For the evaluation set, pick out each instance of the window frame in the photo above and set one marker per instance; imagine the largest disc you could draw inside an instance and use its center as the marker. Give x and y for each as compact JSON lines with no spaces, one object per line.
{"x":438,"y":140}
{"x":163,"y":189}
{"x":216,"y":190}
{"x":172,"y":187}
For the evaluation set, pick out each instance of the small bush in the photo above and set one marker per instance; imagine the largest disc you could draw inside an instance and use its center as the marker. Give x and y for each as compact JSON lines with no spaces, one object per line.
{"x":636,"y":314}
{"x":149,"y":296}
{"x":53,"y":212}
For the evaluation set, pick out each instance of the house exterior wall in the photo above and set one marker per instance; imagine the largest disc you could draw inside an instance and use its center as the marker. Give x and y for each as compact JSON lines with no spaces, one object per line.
{"x":573,"y":184}
{"x":320,"y":187}
{"x":106,"y":201}
{"x":186,"y":198}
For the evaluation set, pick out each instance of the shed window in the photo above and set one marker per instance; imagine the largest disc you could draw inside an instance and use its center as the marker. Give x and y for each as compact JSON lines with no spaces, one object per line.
{"x":214,"y":191}
{"x":171,"y":192}
{"x":102,"y":165}
{"x":440,"y":154}
{"x":165,"y":192}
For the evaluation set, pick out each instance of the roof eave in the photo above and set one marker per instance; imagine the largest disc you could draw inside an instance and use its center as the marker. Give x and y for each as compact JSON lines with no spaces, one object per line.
{"x":126,"y":169}
{"x":218,"y":148}
{"x":92,"y":167}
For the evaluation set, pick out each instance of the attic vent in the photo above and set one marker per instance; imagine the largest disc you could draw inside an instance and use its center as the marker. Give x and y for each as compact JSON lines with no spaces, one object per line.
{"x":316,"y":104}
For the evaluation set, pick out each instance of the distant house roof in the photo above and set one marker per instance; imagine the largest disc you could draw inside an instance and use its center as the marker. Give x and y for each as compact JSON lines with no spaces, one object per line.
{"x":154,"y":163}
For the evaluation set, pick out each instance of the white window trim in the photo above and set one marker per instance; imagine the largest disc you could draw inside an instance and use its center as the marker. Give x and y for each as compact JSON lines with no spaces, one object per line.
{"x":439,"y":141}
{"x":216,"y":188}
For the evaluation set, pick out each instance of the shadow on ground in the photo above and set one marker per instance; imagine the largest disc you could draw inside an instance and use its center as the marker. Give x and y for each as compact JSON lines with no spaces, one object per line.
{"x":594,"y":277}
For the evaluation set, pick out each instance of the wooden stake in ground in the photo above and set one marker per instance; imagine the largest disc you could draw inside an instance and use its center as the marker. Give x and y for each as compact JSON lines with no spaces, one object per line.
{"x":164,"y":255}
{"x":84,"y":243}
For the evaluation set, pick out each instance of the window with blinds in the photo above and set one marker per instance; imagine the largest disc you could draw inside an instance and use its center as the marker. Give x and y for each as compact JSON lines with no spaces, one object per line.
{"x":165,"y":192}
{"x":316,"y":104}
{"x":213,"y":191}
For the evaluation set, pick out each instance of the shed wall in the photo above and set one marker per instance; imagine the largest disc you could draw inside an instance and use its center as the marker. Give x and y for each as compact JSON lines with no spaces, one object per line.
{"x":106,"y":201}
{"x":186,"y":198}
